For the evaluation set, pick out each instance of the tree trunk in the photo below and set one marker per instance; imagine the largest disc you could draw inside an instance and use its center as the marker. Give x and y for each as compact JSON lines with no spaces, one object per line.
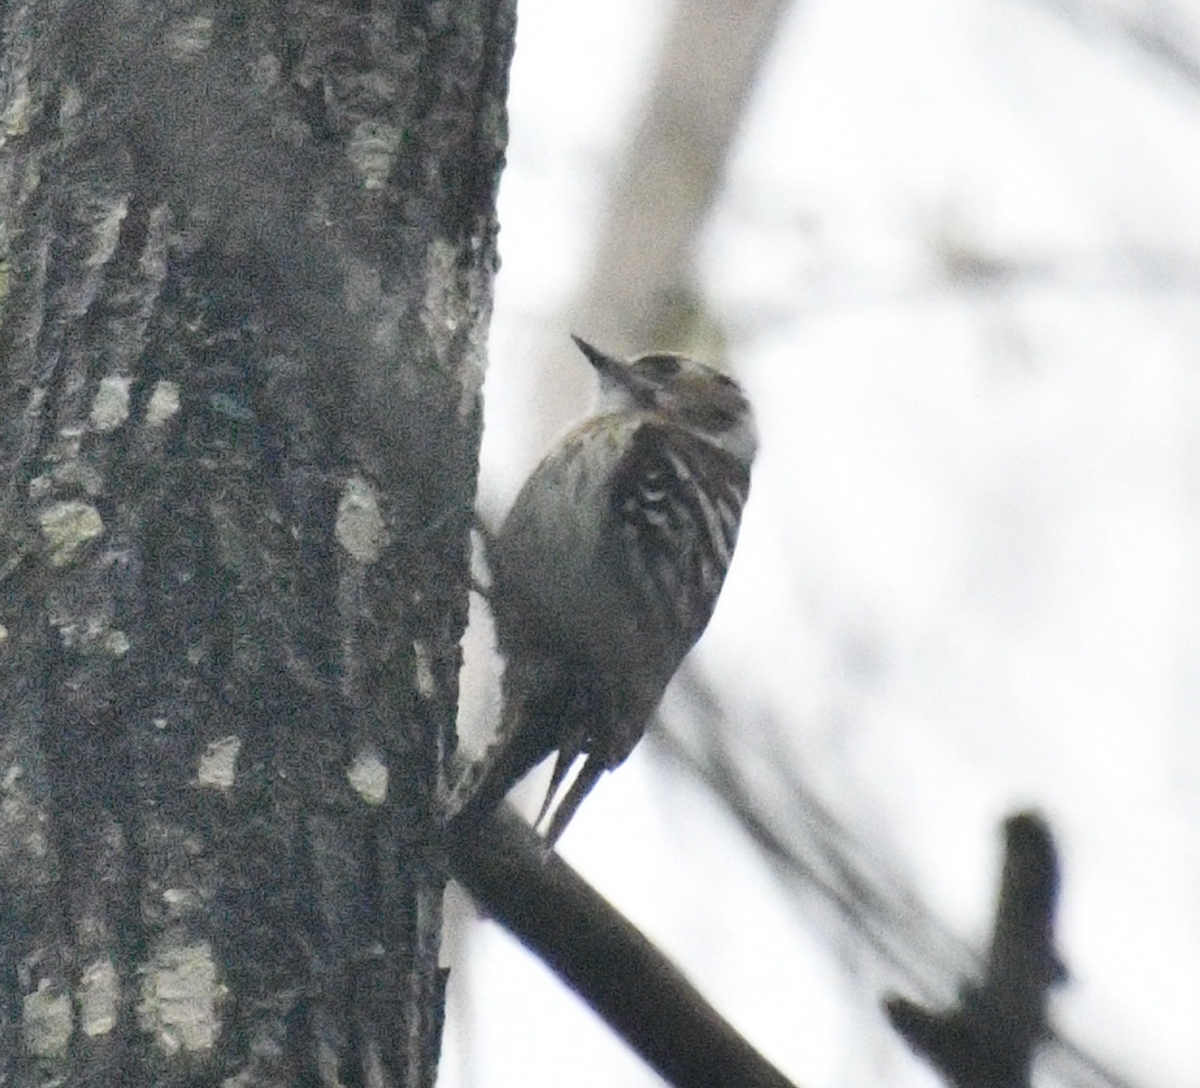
{"x":248,"y":252}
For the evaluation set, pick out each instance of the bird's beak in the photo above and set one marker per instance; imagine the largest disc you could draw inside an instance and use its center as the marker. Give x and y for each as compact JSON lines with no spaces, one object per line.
{"x":607,"y":365}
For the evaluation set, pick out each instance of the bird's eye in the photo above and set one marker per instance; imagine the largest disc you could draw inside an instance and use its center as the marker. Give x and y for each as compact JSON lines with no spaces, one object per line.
{"x":713,"y":417}
{"x":658,"y":368}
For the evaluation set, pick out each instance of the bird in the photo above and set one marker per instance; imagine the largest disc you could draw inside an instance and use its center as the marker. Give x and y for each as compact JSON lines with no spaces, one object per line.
{"x":607,"y":568}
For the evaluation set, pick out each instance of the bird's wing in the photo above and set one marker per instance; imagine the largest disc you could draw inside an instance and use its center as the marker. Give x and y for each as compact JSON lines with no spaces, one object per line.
{"x":677,"y":501}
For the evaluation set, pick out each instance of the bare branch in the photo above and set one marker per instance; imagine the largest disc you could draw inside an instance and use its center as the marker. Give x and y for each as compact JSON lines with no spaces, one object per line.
{"x":988,"y":1039}
{"x":539,"y":898}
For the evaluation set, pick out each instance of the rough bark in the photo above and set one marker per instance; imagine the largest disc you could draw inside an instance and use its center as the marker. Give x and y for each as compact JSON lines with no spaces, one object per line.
{"x":248,"y":252}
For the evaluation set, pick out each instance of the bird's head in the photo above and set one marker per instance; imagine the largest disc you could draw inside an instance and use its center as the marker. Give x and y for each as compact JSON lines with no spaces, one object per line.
{"x":680,"y":390}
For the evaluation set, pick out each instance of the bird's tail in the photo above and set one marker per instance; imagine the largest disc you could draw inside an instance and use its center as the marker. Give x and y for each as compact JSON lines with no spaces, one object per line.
{"x":593,"y":767}
{"x":533,"y":704}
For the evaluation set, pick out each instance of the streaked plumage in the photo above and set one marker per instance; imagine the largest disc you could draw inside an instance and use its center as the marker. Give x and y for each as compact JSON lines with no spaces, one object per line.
{"x":608,"y":566}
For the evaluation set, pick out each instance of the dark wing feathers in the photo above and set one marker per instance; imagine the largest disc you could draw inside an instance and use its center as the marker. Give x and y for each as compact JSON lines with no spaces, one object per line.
{"x":677,"y":500}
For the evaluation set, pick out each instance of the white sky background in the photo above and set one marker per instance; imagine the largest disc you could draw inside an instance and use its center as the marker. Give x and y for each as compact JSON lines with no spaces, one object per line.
{"x":969,"y":575}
